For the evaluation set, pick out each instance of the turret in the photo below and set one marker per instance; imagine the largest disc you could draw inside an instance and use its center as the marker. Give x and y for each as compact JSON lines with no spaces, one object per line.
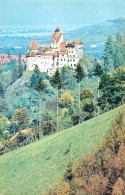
{"x":34,"y":47}
{"x":57,"y":29}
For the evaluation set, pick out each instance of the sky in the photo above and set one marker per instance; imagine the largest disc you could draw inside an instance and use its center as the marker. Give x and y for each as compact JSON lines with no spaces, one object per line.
{"x":59,"y":12}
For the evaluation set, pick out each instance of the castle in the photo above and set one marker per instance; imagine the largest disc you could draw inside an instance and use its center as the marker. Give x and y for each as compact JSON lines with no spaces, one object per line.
{"x":58,"y":54}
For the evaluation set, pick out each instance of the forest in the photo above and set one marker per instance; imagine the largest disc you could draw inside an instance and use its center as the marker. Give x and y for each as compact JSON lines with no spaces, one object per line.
{"x":34,"y":105}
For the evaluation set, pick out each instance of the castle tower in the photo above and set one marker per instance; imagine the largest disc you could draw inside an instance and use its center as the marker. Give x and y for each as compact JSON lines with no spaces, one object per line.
{"x":34,"y":47}
{"x":79,"y":48}
{"x":57,"y":39}
{"x":57,"y":29}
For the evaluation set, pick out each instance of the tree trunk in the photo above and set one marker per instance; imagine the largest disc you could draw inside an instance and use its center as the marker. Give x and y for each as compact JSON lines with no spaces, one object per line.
{"x":14,"y":130}
{"x":122,"y":99}
{"x":98,"y":97}
{"x":40,"y":112}
{"x":79,"y":97}
{"x":57,"y":107}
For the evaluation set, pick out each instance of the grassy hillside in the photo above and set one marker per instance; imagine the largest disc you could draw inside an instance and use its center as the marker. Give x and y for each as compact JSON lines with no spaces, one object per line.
{"x":35,"y":168}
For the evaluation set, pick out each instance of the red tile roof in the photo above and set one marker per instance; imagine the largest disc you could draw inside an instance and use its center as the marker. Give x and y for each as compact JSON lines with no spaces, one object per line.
{"x":3,"y":55}
{"x":78,"y":42}
{"x":3,"y":61}
{"x":4,"y":58}
{"x":56,"y":36}
{"x":34,"y":45}
{"x":46,"y":54}
{"x":64,"y":52}
{"x":57,"y":28}
{"x":38,"y":53}
{"x":23,"y":56}
{"x":70,"y":44}
{"x":25,"y":131}
{"x":33,"y":54}
{"x":62,"y":47}
{"x":14,"y":57}
{"x":56,"y":54}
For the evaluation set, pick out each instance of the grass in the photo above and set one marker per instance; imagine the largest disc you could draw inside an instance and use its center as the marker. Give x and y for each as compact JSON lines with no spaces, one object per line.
{"x":33,"y":169}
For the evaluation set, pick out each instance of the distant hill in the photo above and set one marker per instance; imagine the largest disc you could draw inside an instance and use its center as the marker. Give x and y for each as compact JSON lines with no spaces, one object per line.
{"x":94,"y":36}
{"x":35,"y":168}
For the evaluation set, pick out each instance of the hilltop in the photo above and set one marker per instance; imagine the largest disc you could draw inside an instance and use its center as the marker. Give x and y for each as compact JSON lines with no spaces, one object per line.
{"x":35,"y":168}
{"x":94,"y":36}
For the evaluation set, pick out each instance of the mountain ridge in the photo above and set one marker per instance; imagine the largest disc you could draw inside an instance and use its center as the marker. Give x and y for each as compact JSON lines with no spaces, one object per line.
{"x":96,"y":35}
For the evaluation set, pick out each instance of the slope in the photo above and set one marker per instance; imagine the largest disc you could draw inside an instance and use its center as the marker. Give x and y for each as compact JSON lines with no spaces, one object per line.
{"x":96,"y":35}
{"x":35,"y":168}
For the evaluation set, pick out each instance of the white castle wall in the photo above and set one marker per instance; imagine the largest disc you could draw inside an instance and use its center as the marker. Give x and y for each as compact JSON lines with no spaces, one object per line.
{"x":48,"y":63}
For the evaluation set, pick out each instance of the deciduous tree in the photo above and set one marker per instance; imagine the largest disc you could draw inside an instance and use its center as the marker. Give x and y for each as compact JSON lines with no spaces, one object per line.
{"x":66,"y":99}
{"x":20,"y":118}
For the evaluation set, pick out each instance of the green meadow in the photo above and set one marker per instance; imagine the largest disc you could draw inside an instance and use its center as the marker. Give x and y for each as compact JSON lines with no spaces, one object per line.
{"x":35,"y":168}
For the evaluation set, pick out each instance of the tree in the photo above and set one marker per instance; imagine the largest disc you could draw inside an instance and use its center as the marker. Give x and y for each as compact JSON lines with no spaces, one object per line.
{"x":19,"y":58}
{"x":112,"y":88}
{"x":98,"y":72}
{"x":35,"y":77}
{"x":1,"y":90}
{"x":4,"y":123}
{"x":76,"y":115}
{"x":57,"y":83}
{"x":87,"y":103}
{"x":86,"y":93}
{"x":20,"y":71}
{"x":66,"y":99}
{"x":88,"y":108}
{"x":20,"y":118}
{"x":114,"y":53}
{"x":119,"y":51}
{"x":119,"y":77}
{"x":80,"y":74}
{"x":69,"y":82}
{"x":109,"y":55}
{"x":14,"y":75}
{"x":3,"y":105}
{"x":40,"y":87}
{"x":49,"y":124}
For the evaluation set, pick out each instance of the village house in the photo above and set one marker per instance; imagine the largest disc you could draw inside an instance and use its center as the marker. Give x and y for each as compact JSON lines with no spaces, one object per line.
{"x":5,"y":58}
{"x":58,"y":54}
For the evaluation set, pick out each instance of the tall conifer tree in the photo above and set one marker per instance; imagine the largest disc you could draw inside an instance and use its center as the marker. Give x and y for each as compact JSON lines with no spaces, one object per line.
{"x":79,"y":74}
{"x":57,"y":83}
{"x":40,"y":87}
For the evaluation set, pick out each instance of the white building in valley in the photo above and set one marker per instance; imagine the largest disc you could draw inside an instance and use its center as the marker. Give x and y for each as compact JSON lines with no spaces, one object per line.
{"x":59,"y":53}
